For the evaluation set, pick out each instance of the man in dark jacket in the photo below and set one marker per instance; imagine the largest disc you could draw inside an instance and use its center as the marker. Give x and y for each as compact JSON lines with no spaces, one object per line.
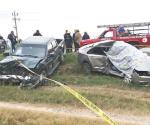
{"x":12,"y":38}
{"x":37,"y":33}
{"x":68,"y":41}
{"x":85,"y":36}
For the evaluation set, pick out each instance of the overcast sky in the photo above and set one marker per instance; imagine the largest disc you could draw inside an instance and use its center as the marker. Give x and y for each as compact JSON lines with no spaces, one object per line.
{"x":53,"y":17}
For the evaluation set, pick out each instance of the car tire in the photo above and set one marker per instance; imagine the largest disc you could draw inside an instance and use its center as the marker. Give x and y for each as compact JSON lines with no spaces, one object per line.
{"x":86,"y":68}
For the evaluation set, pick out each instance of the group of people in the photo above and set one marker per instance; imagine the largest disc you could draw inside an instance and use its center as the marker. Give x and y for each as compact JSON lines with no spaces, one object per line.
{"x":74,"y":39}
{"x":12,"y":39}
{"x":69,"y":39}
{"x":11,"y":42}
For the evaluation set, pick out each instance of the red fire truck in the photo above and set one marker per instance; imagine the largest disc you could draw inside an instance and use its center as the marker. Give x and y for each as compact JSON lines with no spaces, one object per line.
{"x":133,"y":33}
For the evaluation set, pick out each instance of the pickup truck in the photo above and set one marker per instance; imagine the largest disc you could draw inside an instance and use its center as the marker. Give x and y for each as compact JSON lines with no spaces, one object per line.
{"x":135,"y":34}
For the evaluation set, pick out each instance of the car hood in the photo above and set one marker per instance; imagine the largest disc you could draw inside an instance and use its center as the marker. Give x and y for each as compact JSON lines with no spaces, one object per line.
{"x":30,"y":62}
{"x":127,"y":58}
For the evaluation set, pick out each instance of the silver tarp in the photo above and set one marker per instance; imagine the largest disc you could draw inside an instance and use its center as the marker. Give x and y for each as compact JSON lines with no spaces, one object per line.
{"x":126,"y":58}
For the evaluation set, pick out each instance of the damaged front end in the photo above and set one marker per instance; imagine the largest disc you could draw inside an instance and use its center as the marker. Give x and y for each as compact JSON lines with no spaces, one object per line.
{"x":14,"y":73}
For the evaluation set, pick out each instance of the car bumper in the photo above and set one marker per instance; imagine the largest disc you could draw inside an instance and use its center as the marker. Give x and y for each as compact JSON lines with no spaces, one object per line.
{"x":136,"y":78}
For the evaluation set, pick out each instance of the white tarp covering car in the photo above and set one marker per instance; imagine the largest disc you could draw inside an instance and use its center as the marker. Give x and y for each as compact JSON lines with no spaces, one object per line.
{"x":127,"y":58}
{"x":116,"y":58}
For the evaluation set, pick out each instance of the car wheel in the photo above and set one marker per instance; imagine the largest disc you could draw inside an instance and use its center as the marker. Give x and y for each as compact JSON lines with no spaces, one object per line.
{"x":86,"y":68}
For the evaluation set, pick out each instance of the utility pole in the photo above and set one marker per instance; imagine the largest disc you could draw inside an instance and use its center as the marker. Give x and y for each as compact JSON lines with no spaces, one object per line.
{"x":14,"y":14}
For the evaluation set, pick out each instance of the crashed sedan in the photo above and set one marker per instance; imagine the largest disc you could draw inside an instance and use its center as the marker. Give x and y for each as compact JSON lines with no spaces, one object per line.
{"x":39,"y":54}
{"x":116,"y":58}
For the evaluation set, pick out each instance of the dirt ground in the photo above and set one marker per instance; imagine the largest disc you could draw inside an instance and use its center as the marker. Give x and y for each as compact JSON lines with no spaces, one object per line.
{"x":74,"y":112}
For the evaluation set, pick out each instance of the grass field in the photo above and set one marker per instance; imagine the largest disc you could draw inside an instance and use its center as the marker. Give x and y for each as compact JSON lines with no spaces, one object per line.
{"x":11,"y":117}
{"x":107,"y":92}
{"x":18,"y":117}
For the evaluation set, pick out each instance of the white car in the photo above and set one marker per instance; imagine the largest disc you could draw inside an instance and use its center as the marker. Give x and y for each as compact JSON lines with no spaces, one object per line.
{"x":116,"y":58}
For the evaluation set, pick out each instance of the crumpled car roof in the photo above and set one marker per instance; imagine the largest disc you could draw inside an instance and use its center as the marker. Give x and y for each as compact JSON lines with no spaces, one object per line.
{"x":126,"y":58}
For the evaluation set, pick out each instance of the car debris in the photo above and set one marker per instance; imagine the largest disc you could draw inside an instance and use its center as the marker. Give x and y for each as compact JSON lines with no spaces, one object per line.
{"x":116,"y":58}
{"x":40,"y":54}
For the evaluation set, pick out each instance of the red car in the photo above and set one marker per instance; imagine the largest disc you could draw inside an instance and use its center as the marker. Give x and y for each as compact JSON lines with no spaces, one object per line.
{"x":133,"y":33}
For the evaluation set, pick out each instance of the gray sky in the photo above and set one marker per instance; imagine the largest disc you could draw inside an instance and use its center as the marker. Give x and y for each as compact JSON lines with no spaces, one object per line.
{"x":53,"y":17}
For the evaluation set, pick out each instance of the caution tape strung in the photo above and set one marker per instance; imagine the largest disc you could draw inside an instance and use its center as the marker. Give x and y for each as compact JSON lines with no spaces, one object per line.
{"x":85,"y":101}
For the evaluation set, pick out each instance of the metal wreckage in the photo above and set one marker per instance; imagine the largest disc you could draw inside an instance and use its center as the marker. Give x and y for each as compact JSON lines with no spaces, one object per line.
{"x":116,"y":58}
{"x":22,"y":77}
{"x":35,"y":55}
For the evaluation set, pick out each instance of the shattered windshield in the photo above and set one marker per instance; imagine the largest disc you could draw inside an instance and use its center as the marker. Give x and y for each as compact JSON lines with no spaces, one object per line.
{"x":31,"y":50}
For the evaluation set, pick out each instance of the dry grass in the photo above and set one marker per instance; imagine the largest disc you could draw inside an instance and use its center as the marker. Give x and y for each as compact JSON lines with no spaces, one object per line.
{"x":108,"y":93}
{"x":109,"y":99}
{"x":19,"y":117}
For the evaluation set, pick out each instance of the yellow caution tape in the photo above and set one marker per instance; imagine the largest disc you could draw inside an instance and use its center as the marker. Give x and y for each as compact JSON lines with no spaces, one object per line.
{"x":85,"y":101}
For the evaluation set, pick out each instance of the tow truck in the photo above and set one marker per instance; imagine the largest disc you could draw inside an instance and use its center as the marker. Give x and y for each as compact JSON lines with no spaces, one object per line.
{"x":137,"y":34}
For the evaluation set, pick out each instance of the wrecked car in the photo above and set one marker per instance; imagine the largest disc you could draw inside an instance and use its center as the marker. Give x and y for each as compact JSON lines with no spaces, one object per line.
{"x":41,"y":55}
{"x":116,"y":58}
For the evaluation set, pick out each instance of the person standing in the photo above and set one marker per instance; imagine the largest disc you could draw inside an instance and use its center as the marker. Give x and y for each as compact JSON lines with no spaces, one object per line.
{"x":68,"y":41}
{"x":73,"y":37}
{"x":3,"y":44}
{"x":121,"y":30}
{"x":37,"y":33}
{"x":12,"y":38}
{"x":85,"y":36}
{"x":77,"y":40}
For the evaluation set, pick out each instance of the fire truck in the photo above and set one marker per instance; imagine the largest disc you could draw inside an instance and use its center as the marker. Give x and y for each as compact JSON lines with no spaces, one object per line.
{"x":137,"y":34}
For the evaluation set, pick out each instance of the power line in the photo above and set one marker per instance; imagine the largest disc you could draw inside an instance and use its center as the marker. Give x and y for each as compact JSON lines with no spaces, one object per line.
{"x":15,"y":15}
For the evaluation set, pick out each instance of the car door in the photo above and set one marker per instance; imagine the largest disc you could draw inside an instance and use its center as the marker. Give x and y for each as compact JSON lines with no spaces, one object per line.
{"x":97,"y":58}
{"x":57,"y":52}
{"x":53,"y":56}
{"x":50,"y":58}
